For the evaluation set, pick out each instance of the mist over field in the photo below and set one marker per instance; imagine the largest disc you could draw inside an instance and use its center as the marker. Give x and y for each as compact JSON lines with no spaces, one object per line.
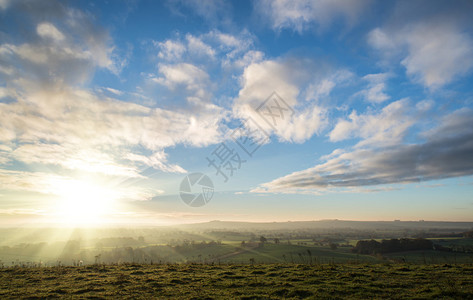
{"x":219,"y":242}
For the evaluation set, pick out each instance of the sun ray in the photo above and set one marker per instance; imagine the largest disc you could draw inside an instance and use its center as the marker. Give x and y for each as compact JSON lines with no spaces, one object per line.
{"x":83,"y":203}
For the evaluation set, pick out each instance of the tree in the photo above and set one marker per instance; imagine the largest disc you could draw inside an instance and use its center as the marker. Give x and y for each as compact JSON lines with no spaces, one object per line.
{"x":333,"y":246}
{"x":392,"y":245}
{"x":263,"y":239}
{"x":468,"y":234}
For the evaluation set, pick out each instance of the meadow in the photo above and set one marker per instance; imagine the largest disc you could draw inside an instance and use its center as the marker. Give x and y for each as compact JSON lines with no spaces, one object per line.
{"x":269,"y":263}
{"x":235,"y":281}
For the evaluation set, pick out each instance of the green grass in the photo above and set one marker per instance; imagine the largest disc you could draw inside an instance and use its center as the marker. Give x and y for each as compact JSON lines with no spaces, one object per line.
{"x":453,"y":241}
{"x":431,"y":257}
{"x":260,"y":281}
{"x":271,"y":253}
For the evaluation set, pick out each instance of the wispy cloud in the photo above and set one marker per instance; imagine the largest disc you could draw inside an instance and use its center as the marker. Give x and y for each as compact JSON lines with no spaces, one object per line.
{"x":375,"y":90}
{"x":54,"y":122}
{"x":215,"y":12}
{"x":184,"y":75}
{"x":67,"y":127}
{"x":446,"y":153}
{"x":435,"y":48}
{"x":56,"y":185}
{"x":301,"y":15}
{"x":385,"y":127}
{"x":214,"y":47}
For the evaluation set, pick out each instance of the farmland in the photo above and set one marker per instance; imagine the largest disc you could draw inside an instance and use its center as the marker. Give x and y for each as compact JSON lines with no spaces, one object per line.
{"x":290,"y":261}
{"x":244,"y":243}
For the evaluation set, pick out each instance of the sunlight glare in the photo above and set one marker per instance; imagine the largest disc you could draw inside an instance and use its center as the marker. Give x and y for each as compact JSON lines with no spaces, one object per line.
{"x":84,"y":203}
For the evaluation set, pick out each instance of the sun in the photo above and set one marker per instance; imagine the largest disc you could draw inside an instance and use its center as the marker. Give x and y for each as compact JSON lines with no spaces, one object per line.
{"x":84,"y":203}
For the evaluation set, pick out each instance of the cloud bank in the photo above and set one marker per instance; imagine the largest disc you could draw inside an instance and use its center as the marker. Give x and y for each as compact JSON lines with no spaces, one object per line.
{"x":446,"y":152}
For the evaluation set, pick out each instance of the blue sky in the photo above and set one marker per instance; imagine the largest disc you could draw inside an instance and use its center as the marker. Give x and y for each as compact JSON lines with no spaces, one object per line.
{"x":106,"y":106}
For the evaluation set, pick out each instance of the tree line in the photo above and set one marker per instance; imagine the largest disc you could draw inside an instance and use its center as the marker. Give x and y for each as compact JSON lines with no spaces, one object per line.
{"x":392,"y":245}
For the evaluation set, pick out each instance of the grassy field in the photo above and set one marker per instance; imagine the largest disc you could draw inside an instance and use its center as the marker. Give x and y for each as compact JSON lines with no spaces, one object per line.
{"x":431,"y":257}
{"x":235,"y":253}
{"x":259,"y":281}
{"x":283,"y":253}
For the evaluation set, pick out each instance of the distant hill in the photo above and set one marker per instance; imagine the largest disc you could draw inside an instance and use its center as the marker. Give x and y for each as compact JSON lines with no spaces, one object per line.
{"x":334,"y":224}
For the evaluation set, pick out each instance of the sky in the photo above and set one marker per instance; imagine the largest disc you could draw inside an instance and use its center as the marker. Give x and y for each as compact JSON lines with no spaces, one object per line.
{"x":124,"y":112}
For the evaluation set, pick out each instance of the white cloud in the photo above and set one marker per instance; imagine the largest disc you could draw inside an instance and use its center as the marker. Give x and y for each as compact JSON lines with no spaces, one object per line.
{"x":230,"y":51}
{"x":424,"y":105}
{"x":386,"y":127}
{"x":249,"y":58}
{"x":53,"y":185}
{"x":67,"y":53}
{"x":231,"y":46}
{"x":182,"y":74}
{"x":376,"y":85}
{"x":259,"y":80}
{"x":4,"y":4}
{"x":216,"y":12}
{"x":48,"y":30}
{"x":228,"y":40}
{"x":192,"y":79}
{"x":6,"y":92}
{"x":445,"y":154}
{"x":300,"y":15}
{"x":304,"y":124}
{"x":438,"y":54}
{"x":186,"y":75}
{"x":434,"y":52}
{"x":380,"y":39}
{"x":26,"y":181}
{"x":65,"y":129}
{"x":52,"y":122}
{"x":4,"y":153}
{"x":73,"y":158}
{"x":171,"y":50}
{"x":156,"y":161}
{"x":198,"y":47}
{"x":293,"y":80}
{"x":114,"y":91}
{"x":322,"y":88}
